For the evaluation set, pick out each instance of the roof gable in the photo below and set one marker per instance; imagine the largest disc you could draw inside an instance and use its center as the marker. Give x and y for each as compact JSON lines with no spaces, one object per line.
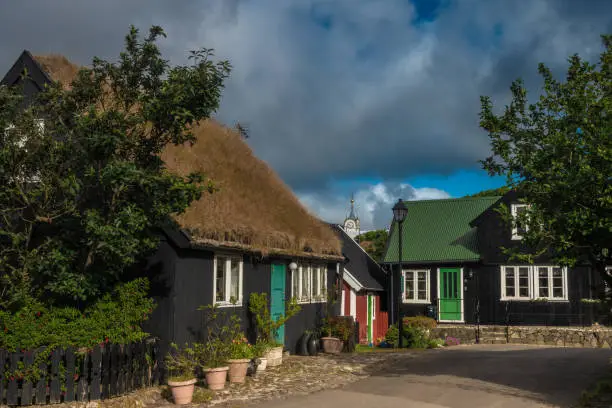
{"x":365,"y":270}
{"x":26,"y":63}
{"x":439,"y":230}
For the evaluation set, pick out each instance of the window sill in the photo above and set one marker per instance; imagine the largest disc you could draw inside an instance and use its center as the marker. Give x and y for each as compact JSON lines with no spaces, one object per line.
{"x":416,"y":302}
{"x":534,"y":300}
{"x":308,"y":301}
{"x":228,"y":304}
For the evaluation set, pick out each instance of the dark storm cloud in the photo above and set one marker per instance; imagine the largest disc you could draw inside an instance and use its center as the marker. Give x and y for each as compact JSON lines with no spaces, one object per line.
{"x":341,"y":89}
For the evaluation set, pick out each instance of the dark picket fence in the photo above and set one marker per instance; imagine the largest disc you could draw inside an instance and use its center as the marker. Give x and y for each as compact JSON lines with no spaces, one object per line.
{"x":106,"y":371}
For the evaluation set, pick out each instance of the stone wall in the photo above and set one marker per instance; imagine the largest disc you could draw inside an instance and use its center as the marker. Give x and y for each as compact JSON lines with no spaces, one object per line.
{"x":466,"y":334}
{"x":591,"y":336}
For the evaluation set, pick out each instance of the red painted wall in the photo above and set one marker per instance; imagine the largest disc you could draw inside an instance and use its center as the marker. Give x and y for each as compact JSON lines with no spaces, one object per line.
{"x":347,"y":299}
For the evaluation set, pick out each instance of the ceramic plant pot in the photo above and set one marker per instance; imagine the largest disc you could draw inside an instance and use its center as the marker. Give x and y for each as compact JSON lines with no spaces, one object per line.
{"x":263,"y":363}
{"x":331,"y":345}
{"x":238,"y":370}
{"x":216,"y":377}
{"x":182,"y":391}
{"x":274,"y":356}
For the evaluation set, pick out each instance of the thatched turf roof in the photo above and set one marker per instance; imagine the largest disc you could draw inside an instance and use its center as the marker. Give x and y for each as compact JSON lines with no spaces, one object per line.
{"x":252,"y":210}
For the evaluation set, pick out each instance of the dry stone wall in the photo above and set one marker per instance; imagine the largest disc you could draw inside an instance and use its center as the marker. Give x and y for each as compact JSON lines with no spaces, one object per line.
{"x":591,"y":336}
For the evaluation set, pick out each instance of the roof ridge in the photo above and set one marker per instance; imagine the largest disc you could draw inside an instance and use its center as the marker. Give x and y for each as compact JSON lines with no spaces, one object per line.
{"x":452,"y":199}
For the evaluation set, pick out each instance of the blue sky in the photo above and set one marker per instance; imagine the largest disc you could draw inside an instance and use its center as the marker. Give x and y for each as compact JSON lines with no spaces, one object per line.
{"x":374,"y":97}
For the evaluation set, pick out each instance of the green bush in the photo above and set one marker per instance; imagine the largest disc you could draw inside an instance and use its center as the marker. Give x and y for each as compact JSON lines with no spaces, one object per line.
{"x":392,"y":336}
{"x":415,"y":337}
{"x":421,"y":322}
{"x":116,"y":318}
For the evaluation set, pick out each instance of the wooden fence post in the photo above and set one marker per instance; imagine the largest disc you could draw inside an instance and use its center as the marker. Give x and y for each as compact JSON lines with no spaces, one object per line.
{"x":84,"y":377}
{"x":3,"y":358}
{"x":106,"y":371}
{"x":26,"y":386}
{"x":41,"y":385}
{"x":12,"y":393}
{"x":69,"y":375}
{"x":96,"y":365}
{"x":54,"y":386}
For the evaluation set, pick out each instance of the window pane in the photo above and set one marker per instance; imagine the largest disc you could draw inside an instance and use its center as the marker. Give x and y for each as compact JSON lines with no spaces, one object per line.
{"x":523,"y":282}
{"x":235,"y":280}
{"x":422,"y":285}
{"x":295,"y":283}
{"x":322,"y":281}
{"x":220,"y":279}
{"x":510,"y":284}
{"x":409,"y":281}
{"x":543,"y":282}
{"x":557,"y":281}
{"x":305,"y":282}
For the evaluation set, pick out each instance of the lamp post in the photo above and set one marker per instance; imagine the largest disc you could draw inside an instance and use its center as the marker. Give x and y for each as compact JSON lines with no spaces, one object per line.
{"x":399,"y":214}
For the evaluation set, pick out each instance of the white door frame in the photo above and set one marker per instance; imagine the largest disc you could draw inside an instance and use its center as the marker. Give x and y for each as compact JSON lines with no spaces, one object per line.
{"x":462,"y":299}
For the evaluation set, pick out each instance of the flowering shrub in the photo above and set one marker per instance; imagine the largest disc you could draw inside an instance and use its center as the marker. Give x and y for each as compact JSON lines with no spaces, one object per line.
{"x":392,"y":336}
{"x":452,"y":341}
{"x":240,"y":348}
{"x":421,"y":322}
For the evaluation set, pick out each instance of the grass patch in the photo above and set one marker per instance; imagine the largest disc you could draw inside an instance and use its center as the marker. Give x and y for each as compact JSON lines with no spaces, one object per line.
{"x":362,"y":348}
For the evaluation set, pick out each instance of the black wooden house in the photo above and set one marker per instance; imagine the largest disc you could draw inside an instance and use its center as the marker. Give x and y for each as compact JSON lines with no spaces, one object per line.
{"x":454,"y":269}
{"x":241,"y":239}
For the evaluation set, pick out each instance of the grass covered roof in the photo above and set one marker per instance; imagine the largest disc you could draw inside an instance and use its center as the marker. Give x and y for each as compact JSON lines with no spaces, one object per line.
{"x":252,"y":210}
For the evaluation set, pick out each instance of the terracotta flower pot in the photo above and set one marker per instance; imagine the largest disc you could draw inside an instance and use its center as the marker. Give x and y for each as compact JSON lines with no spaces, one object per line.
{"x":182,"y":391}
{"x":332,"y":345}
{"x":263,"y":363}
{"x":216,"y":377}
{"x":275,"y":356}
{"x":238,"y":370}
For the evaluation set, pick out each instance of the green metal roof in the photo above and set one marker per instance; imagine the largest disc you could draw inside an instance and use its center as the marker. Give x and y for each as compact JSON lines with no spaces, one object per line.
{"x":439,"y":230}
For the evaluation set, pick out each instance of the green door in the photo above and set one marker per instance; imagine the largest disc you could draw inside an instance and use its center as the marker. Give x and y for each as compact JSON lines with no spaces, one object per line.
{"x":450,"y":300}
{"x":277,"y":297}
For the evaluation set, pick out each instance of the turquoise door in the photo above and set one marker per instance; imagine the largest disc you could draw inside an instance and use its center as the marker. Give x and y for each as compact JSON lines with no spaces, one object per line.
{"x":277,"y":297}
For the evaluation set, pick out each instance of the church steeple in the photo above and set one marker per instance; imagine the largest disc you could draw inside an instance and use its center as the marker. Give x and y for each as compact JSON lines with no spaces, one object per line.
{"x":351,"y":222}
{"x":352,"y":215}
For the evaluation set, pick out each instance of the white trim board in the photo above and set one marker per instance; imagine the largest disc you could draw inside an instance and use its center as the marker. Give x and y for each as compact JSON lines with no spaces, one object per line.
{"x":461,"y":296}
{"x":352,"y":281}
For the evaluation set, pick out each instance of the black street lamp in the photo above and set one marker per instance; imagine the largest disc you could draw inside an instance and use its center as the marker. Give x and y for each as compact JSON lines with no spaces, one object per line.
{"x":399,"y":214}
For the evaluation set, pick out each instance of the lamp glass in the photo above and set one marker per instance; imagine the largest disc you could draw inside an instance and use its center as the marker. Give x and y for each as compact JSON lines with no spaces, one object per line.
{"x":399,"y":211}
{"x":293,"y":266}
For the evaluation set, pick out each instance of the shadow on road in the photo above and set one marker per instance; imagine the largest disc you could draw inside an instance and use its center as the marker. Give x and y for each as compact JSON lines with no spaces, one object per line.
{"x":552,"y":375}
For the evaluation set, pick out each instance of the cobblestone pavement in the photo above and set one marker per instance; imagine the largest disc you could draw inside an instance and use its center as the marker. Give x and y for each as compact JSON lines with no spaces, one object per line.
{"x":296,"y":376}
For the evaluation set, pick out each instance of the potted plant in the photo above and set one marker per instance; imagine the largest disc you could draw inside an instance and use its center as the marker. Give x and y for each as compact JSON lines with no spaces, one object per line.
{"x":181,"y":364}
{"x":240,"y":355}
{"x":267,"y":327}
{"x":213,"y":354}
{"x":331,"y":344}
{"x":260,"y":350}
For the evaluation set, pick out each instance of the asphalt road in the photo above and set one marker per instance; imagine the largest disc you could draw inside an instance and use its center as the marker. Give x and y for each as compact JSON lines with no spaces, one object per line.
{"x":471,"y":377}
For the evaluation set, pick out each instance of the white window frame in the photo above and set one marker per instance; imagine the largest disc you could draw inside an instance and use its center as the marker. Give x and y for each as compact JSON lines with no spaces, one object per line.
{"x":316,"y":272}
{"x":534,"y":282}
{"x":415,"y":279}
{"x":514,"y":210}
{"x":229,"y":257}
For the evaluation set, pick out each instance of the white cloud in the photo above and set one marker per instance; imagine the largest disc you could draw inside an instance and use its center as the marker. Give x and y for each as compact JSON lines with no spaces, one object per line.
{"x":373,"y":202}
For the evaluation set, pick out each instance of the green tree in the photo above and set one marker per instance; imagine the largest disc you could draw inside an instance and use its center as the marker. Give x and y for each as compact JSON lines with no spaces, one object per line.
{"x":374,"y":242}
{"x":492,"y":192}
{"x":83,"y":199}
{"x":557,"y":153}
